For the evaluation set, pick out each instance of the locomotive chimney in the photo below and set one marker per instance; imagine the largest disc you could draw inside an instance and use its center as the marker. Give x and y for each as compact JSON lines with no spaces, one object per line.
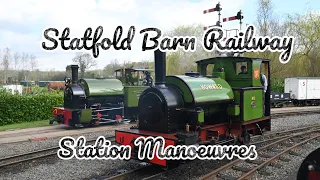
{"x":74,"y":72}
{"x":160,"y":68}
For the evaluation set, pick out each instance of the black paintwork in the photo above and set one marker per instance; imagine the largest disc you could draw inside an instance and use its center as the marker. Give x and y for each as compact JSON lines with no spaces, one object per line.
{"x":312,"y":159}
{"x":160,"y":67}
{"x":157,"y":109}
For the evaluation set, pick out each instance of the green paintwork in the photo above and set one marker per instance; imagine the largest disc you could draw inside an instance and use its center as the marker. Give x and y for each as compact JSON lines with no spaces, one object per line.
{"x":231,"y":67}
{"x":236,"y":97}
{"x":221,"y":75}
{"x":234,"y":110}
{"x":200,"y":116}
{"x":249,"y":96}
{"x":86,"y":115}
{"x":249,"y":112}
{"x":132,"y":94}
{"x":192,"y":91}
{"x":102,"y":87}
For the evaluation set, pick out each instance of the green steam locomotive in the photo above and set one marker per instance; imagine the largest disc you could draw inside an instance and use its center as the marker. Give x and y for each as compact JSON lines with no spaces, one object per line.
{"x":223,"y":106}
{"x":96,"y":101}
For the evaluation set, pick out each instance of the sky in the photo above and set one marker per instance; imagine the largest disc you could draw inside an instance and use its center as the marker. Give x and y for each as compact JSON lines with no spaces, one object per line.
{"x":23,"y":22}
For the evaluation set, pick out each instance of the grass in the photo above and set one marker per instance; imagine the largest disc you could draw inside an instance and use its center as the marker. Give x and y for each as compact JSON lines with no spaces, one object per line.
{"x":25,"y":125}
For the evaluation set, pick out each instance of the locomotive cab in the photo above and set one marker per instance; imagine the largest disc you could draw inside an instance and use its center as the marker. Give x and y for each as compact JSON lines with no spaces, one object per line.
{"x":134,"y":76}
{"x":247,"y":85}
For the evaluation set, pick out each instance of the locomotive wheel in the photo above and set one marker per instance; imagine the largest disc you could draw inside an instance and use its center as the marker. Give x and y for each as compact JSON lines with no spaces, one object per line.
{"x":245,"y":138}
{"x":171,"y":164}
{"x":133,"y":118}
{"x":91,"y":124}
{"x":52,"y":121}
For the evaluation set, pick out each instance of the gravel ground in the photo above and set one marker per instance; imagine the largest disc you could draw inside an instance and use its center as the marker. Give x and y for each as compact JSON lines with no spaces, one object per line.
{"x":294,"y":122}
{"x":24,"y":147}
{"x":289,"y":169}
{"x":53,"y":168}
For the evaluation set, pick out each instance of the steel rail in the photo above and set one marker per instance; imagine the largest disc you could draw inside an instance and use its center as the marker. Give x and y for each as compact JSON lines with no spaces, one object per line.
{"x":227,"y":166}
{"x":11,"y":158}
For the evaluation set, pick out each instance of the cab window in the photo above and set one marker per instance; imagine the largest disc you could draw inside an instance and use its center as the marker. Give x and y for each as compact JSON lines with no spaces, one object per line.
{"x":241,"y":68}
{"x":210,"y":69}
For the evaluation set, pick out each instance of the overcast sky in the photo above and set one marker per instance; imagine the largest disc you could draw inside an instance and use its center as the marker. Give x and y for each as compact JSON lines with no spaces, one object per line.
{"x":22,"y":22}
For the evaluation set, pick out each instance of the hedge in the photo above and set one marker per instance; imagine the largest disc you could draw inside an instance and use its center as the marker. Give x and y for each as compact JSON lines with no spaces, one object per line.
{"x":277,"y":85}
{"x":26,"y":108}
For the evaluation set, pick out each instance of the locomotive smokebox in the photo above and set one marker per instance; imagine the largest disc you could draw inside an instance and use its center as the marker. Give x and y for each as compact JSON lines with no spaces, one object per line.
{"x":74,"y":72}
{"x":160,"y":68}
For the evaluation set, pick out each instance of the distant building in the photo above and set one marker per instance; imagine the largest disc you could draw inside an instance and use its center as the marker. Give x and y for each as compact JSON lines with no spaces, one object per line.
{"x":14,"y":88}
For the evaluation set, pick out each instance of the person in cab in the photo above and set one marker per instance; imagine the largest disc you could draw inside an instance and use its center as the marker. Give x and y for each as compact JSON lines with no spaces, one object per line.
{"x":243,"y":70}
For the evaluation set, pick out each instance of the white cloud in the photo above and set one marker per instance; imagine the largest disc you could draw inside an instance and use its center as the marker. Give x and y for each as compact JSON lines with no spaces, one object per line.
{"x":81,"y":14}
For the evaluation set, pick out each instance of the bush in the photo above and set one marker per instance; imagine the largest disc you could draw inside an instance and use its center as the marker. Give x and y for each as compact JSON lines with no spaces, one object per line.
{"x":26,"y":108}
{"x":277,"y":85}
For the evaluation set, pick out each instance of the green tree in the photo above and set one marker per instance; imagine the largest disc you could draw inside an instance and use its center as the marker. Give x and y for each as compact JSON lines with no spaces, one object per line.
{"x":306,"y":30}
{"x":85,"y":61}
{"x":180,"y":61}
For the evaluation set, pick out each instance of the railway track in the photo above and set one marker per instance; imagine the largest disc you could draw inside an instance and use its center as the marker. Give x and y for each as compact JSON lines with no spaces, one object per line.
{"x":293,"y":113}
{"x":272,"y":136}
{"x":267,"y":137}
{"x":248,"y":168}
{"x":25,"y":157}
{"x":53,"y":132}
{"x":152,"y":172}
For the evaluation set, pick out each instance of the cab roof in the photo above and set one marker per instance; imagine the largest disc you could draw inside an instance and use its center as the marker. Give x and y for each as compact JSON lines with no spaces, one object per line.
{"x":231,"y":57}
{"x":134,"y":69}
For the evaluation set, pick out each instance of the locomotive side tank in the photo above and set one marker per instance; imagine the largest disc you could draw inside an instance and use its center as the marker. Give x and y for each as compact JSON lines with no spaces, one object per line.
{"x":192,"y":100}
{"x":107,"y":92}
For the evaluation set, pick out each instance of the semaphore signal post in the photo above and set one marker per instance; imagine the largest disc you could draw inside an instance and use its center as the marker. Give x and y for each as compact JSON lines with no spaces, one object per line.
{"x":218,"y":9}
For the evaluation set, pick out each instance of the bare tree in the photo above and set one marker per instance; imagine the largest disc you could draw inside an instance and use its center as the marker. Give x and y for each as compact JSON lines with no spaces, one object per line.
{"x":33,"y":62}
{"x":25,"y":64}
{"x":33,"y":65}
{"x":16,"y":58}
{"x":85,"y":61}
{"x":6,"y":62}
{"x":111,"y":67}
{"x":268,"y":24}
{"x":265,"y":18}
{"x":26,"y":61}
